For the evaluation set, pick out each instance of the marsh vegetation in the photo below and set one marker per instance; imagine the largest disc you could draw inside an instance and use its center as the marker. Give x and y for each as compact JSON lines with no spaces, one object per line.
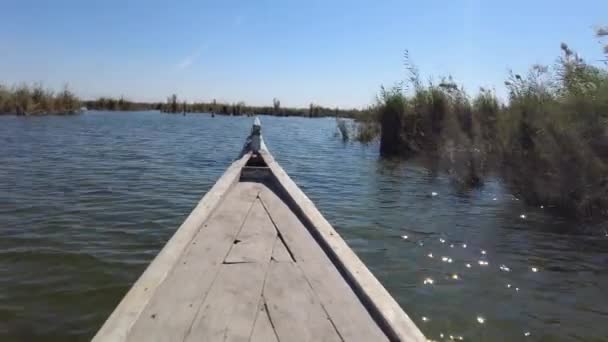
{"x":548,"y":140}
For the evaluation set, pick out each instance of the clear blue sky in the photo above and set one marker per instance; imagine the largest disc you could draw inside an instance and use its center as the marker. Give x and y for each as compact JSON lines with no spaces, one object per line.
{"x":334,"y":53}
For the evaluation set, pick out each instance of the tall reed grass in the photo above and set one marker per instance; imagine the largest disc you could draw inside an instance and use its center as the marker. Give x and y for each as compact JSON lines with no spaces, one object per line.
{"x":549,"y":140}
{"x":37,"y":100}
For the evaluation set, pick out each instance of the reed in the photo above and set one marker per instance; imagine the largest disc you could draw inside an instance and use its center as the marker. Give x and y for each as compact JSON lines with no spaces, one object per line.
{"x":36,"y":100}
{"x":549,"y":141}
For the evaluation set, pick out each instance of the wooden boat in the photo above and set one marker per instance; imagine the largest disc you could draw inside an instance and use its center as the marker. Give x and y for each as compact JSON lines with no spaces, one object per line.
{"x":256,"y":261}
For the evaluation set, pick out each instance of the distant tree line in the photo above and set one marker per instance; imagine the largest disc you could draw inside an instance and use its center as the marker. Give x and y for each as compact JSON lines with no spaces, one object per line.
{"x":173,"y":105}
{"x":37,"y":100}
{"x":120,"y":104}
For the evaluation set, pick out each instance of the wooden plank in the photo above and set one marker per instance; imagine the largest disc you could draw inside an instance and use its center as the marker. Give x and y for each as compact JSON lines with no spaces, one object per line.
{"x":262,"y":329}
{"x":349,"y":315}
{"x":117,"y":326}
{"x":279,"y":252}
{"x":255,"y":241}
{"x":172,"y":309}
{"x":294,"y":310}
{"x":229,"y":311}
{"x":395,"y":322}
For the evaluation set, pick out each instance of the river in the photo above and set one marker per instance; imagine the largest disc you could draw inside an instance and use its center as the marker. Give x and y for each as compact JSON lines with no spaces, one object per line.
{"x":87,"y":201}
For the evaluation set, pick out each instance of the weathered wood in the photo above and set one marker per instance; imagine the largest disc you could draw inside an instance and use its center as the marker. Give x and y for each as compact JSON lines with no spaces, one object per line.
{"x":381,"y":304}
{"x":172,"y":309}
{"x":131,"y":306}
{"x":248,"y":265}
{"x":279,"y":252}
{"x":293,"y":308}
{"x":351,"y":318}
{"x":229,"y":311}
{"x":262,"y":329}
{"x":255,"y":241}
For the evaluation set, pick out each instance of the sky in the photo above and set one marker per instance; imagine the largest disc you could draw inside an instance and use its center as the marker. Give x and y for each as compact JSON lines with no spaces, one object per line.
{"x":331,"y":53}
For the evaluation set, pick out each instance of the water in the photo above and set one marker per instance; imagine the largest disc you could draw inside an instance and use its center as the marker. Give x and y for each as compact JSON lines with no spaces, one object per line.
{"x":87,"y":201}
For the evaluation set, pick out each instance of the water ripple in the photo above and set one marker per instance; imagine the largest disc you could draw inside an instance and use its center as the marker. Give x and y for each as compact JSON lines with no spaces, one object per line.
{"x":87,"y":201}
